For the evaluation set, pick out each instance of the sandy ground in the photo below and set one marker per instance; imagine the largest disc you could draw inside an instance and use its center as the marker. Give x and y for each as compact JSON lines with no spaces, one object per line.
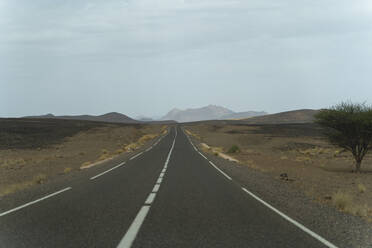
{"x":297,"y":155}
{"x":24,"y":167}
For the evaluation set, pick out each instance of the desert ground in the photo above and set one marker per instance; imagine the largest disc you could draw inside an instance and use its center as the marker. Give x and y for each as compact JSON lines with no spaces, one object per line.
{"x":294,"y":154}
{"x":35,"y":151}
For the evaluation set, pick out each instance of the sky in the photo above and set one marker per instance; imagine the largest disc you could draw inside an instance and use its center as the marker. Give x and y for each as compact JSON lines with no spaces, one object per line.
{"x":145,"y":57}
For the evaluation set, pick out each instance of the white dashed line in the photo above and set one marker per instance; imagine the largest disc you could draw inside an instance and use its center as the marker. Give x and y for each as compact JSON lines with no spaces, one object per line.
{"x":139,"y":154}
{"x":33,"y":202}
{"x":113,"y":168}
{"x":131,"y":234}
{"x":302,"y":227}
{"x":156,"y":188}
{"x":150,"y":198}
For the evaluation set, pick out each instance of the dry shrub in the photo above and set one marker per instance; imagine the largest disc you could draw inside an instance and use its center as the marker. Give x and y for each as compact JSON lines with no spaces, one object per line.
{"x":303,"y":159}
{"x":362,"y":188}
{"x":86,"y":164}
{"x":105,"y":151}
{"x":39,"y":179}
{"x":67,"y":170}
{"x":119,"y":151}
{"x":342,"y":200}
{"x":104,"y":157}
{"x":283,"y":157}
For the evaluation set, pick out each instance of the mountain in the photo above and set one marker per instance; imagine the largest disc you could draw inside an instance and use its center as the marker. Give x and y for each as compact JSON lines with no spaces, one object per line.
{"x":296,"y":116}
{"x":210,"y":112}
{"x":109,"y":117}
{"x":243,"y":115}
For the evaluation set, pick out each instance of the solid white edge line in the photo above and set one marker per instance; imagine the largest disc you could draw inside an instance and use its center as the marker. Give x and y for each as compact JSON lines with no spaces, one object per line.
{"x":33,"y":202}
{"x":113,"y":168}
{"x":203,"y":156}
{"x":161,"y":175}
{"x":150,"y":198}
{"x":129,"y":237}
{"x":139,"y":154}
{"x":302,"y":227}
{"x":223,"y":173}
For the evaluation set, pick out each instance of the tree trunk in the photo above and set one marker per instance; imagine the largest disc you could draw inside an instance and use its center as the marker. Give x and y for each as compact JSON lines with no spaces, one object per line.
{"x":357,"y":166}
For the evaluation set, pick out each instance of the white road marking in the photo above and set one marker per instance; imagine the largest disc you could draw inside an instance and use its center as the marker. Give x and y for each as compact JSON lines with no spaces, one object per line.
{"x":113,"y":168}
{"x":156,"y":188}
{"x":33,"y":202}
{"x":131,"y":234}
{"x":302,"y":227}
{"x":150,"y":198}
{"x":133,"y":230}
{"x":223,"y":173}
{"x":203,"y":156}
{"x":139,"y":154}
{"x":149,"y":149}
{"x":164,"y":170}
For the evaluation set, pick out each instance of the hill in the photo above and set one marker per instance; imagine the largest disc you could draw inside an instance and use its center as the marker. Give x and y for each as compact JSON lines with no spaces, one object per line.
{"x":113,"y":117}
{"x":296,"y":116}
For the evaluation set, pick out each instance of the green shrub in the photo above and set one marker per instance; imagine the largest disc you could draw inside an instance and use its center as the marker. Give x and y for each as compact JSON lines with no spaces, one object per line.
{"x":234,"y":149}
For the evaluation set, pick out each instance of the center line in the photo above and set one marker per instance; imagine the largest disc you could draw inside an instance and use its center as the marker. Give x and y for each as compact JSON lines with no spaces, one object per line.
{"x":131,"y":234}
{"x":150,"y":198}
{"x":156,"y":188}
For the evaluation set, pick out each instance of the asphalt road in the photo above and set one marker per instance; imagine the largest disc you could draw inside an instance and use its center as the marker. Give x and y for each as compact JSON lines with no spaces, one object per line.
{"x":169,"y":196}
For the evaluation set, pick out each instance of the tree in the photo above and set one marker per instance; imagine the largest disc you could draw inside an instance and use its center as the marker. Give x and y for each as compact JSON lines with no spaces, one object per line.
{"x":349,"y":125}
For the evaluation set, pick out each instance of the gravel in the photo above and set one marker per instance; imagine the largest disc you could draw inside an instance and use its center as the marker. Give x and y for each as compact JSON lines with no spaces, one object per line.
{"x":343,"y":230}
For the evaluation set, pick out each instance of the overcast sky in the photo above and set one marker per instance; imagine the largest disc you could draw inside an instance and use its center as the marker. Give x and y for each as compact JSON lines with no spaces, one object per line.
{"x":148,"y":56}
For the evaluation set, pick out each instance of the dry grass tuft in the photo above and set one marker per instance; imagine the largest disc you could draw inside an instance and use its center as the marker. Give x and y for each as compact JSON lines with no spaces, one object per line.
{"x":342,"y":200}
{"x":147,"y":137}
{"x":67,"y":170}
{"x":119,"y":151}
{"x":39,"y":179}
{"x":361,"y":188}
{"x":85,"y":164}
{"x":303,"y":159}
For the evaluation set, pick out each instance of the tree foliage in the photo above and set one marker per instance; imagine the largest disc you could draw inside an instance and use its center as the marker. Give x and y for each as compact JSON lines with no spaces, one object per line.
{"x":349,"y":125}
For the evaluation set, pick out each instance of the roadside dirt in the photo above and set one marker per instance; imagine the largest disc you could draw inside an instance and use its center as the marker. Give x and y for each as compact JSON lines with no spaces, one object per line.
{"x":35,"y":151}
{"x":297,"y":155}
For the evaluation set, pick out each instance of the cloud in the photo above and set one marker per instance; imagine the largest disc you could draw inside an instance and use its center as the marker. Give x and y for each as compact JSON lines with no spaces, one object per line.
{"x":238,"y":47}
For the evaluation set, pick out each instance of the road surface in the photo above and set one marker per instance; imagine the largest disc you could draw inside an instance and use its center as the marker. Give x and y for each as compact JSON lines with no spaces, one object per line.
{"x":167,"y":196}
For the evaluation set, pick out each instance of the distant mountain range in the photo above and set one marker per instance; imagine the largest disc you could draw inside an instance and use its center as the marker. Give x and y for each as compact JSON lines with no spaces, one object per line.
{"x":210,"y":112}
{"x":113,"y":117}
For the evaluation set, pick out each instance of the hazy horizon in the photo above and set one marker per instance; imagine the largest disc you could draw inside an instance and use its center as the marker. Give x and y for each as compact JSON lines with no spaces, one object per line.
{"x":146,"y":57}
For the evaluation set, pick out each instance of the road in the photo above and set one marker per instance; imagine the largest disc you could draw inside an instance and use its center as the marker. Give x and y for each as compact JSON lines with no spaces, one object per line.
{"x":167,"y":196}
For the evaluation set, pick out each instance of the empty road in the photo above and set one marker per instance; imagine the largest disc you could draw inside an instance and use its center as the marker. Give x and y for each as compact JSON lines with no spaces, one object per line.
{"x":167,"y":196}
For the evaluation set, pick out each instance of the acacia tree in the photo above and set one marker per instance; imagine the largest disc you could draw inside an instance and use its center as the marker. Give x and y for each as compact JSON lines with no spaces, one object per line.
{"x":349,"y":125}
